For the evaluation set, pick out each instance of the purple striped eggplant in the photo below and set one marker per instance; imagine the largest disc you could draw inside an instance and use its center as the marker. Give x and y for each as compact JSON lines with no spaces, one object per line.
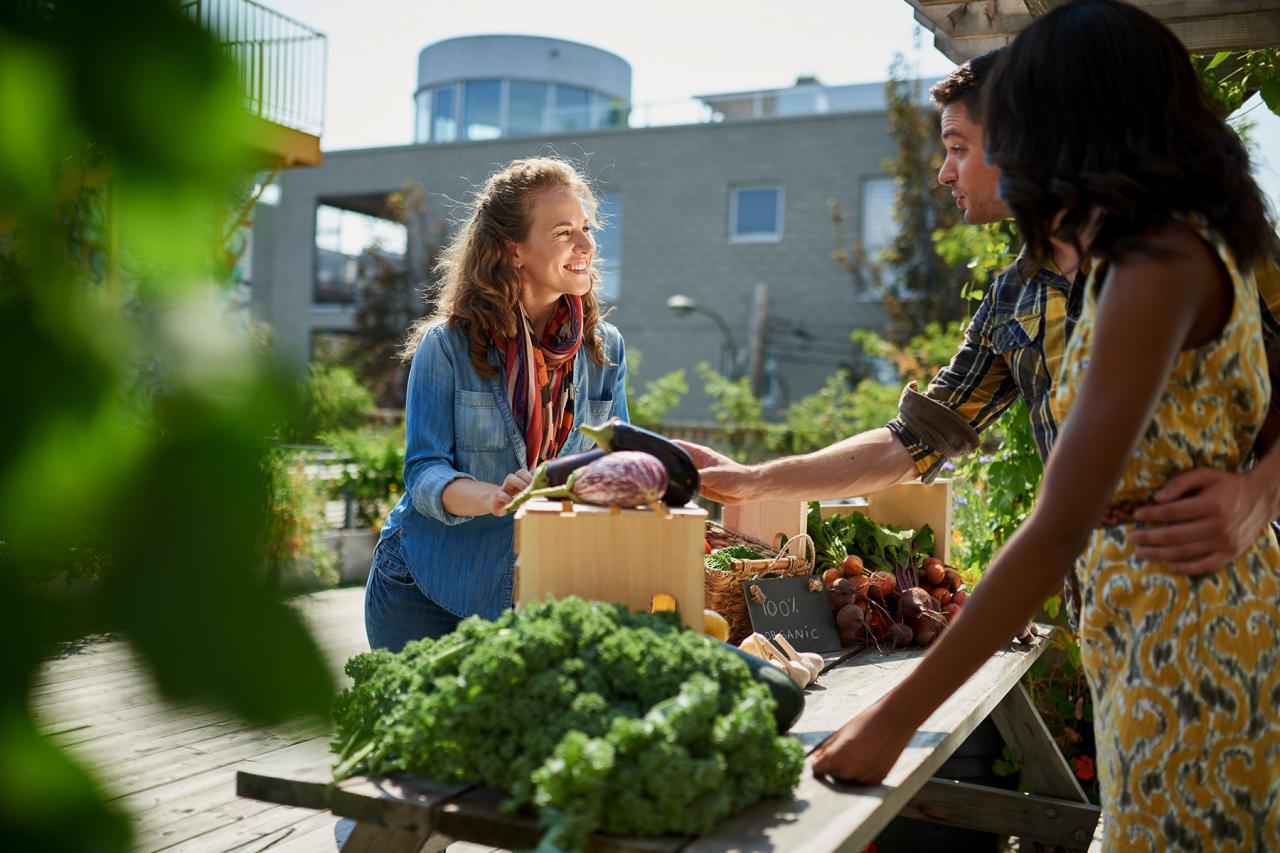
{"x":625,"y":478}
{"x":554,"y":472}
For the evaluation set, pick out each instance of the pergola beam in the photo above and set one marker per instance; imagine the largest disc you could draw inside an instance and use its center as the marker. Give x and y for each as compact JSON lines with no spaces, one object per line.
{"x":964,"y":28}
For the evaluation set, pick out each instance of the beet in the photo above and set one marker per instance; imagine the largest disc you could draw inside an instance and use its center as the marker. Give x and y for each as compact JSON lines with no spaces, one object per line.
{"x":840,"y":594}
{"x":913,"y":603}
{"x":940,"y":594}
{"x":861,"y":584}
{"x":952,"y":580}
{"x":924,"y":630}
{"x":850,"y":618}
{"x":934,"y":572}
{"x":883,"y":585}
{"x":960,"y":596}
{"x":900,"y":635}
{"x":850,"y":638}
{"x":879,"y":624}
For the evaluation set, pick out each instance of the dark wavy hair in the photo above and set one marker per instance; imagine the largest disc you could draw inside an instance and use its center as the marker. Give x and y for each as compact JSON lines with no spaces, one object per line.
{"x":1096,"y":106}
{"x":963,"y":86}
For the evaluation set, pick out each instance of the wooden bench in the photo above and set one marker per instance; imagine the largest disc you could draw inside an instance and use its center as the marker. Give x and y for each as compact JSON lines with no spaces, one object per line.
{"x":410,"y":814}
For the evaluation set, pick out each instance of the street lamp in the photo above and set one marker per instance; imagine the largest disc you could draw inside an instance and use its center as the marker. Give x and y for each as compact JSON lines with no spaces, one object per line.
{"x":684,"y":305}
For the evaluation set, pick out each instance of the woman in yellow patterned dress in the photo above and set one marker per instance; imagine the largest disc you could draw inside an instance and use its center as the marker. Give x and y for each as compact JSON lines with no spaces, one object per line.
{"x":1108,"y":149}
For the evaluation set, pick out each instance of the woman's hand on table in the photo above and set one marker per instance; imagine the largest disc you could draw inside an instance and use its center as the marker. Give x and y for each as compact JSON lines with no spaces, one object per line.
{"x":513,"y":485}
{"x":863,"y":750}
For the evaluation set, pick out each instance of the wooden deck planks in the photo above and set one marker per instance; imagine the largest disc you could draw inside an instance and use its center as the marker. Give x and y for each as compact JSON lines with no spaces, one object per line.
{"x":172,"y":766}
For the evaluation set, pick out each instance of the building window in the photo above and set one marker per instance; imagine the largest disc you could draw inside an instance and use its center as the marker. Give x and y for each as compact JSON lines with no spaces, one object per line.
{"x":526,"y":108}
{"x":341,"y":237}
{"x":444,"y":122}
{"x":755,"y":215}
{"x":876,"y":226}
{"x":482,"y":109}
{"x":573,"y":109}
{"x":422,"y":116}
{"x":609,"y":245}
{"x":333,"y":347}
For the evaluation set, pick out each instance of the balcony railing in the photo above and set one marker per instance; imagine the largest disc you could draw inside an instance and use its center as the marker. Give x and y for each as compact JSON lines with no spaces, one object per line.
{"x":281,"y":61}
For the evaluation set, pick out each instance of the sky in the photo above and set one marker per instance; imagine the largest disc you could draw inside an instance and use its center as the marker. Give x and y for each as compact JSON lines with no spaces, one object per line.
{"x":676,"y":48}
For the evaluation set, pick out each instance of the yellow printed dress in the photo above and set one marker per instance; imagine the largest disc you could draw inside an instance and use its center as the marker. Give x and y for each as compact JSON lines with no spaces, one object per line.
{"x":1184,"y":671}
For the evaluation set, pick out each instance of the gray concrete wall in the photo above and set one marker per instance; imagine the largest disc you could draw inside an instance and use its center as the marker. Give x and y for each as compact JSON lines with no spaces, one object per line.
{"x":675,"y":184}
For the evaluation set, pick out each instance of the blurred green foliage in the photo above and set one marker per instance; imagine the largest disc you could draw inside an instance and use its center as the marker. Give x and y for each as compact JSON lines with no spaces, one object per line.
{"x":660,"y":396}
{"x":333,"y":399}
{"x":373,"y":468}
{"x":295,"y":556}
{"x":1231,"y":77}
{"x":137,"y":417}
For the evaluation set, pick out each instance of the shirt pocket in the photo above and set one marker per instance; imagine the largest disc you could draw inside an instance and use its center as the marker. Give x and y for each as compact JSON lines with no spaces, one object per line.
{"x":1018,"y":340}
{"x":592,"y":413}
{"x":477,"y":422}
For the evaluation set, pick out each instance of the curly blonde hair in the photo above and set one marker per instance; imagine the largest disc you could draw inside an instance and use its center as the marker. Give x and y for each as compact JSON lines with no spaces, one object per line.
{"x":479,"y":286}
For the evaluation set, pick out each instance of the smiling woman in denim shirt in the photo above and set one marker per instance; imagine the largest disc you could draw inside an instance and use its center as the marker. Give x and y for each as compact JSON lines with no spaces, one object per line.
{"x":513,"y":359}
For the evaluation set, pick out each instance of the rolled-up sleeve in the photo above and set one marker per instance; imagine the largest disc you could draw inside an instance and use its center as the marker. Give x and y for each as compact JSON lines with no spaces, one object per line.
{"x":429,"y":430}
{"x":962,"y":400}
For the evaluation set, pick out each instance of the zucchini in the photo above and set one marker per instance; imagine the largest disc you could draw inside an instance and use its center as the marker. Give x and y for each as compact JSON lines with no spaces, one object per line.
{"x":682,"y":474}
{"x":788,"y":699}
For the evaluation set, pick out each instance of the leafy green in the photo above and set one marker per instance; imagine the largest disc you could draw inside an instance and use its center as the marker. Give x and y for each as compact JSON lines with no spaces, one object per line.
{"x":882,"y":547}
{"x":722,"y":558}
{"x":596,"y":719}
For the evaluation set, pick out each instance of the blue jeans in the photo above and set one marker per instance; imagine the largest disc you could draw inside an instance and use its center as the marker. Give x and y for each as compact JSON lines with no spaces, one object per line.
{"x":395,"y":610}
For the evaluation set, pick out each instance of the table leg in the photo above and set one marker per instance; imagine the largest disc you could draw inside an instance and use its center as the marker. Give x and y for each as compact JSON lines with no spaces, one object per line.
{"x":1044,"y":769}
{"x":371,"y":838}
{"x":1056,"y":813}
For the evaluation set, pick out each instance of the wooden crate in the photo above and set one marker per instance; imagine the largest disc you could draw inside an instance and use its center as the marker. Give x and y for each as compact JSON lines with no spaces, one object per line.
{"x":620,"y":555}
{"x":772,"y":522}
{"x":907,"y":504}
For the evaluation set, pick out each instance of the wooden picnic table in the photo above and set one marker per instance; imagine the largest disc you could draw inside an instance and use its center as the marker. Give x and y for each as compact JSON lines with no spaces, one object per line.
{"x":409,"y":814}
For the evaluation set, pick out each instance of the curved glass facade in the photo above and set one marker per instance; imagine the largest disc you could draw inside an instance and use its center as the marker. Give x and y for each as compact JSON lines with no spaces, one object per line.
{"x":491,"y":109}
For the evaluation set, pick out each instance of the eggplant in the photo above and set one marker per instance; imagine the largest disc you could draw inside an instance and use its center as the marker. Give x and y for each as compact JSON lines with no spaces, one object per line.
{"x":554,"y":472}
{"x":682,"y":475}
{"x":624,"y":478}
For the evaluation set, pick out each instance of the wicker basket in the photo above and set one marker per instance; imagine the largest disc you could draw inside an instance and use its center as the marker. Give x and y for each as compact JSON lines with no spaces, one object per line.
{"x":724,"y":588}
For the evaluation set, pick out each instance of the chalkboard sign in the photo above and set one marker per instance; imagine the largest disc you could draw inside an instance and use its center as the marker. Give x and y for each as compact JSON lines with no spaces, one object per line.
{"x":793,"y":608}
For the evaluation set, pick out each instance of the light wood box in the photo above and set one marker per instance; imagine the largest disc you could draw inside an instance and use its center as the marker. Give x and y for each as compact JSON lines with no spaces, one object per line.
{"x":624,"y":556}
{"x":906,"y":505}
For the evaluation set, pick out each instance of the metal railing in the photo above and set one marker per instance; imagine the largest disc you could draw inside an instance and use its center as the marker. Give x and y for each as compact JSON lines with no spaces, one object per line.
{"x":281,"y":61}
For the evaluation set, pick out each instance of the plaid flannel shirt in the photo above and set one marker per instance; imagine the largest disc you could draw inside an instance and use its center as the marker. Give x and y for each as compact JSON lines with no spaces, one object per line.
{"x":1014,"y":346}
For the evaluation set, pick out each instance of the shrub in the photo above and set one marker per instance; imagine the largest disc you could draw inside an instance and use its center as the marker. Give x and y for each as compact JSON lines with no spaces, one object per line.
{"x":295,"y":518}
{"x":333,"y":399}
{"x":373,"y":475}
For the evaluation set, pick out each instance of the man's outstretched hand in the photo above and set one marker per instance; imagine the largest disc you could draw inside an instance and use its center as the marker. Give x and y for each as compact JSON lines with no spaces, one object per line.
{"x":723,"y":480}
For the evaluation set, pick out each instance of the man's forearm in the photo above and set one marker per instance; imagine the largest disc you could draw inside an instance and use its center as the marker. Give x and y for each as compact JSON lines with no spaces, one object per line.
{"x":861,"y":464}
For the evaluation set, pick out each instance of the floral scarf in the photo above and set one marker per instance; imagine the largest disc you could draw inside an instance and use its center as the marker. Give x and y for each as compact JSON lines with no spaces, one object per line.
{"x":540,"y":378}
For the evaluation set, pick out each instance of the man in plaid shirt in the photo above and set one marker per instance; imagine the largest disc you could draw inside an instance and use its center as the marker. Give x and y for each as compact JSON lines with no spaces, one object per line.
{"x":1012,"y":348}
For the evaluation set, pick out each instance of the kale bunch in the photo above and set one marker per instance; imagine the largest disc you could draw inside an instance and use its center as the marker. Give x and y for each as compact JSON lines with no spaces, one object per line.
{"x":596,"y":719}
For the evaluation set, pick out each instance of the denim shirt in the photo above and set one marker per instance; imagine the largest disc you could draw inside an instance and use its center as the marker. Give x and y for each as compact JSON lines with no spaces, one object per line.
{"x":459,"y":424}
